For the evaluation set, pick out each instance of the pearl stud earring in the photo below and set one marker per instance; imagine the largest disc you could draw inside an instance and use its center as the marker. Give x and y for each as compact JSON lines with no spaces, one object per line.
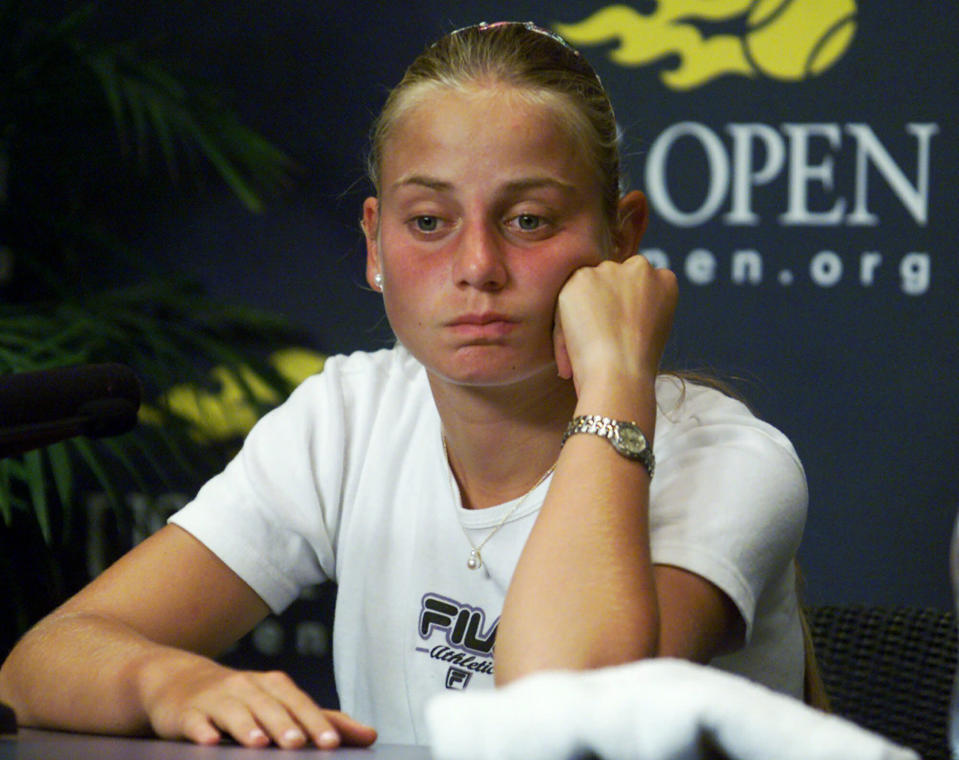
{"x":378,"y":281}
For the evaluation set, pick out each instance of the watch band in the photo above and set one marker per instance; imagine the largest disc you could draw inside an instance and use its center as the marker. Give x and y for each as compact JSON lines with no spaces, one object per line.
{"x":625,"y":437}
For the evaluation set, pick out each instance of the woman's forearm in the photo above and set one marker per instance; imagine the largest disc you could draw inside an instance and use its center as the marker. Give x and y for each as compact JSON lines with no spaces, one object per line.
{"x":583,"y":594}
{"x":81,"y":672}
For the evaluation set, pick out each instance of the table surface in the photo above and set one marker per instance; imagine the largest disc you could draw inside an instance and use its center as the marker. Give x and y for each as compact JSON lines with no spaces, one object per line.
{"x":33,"y":744}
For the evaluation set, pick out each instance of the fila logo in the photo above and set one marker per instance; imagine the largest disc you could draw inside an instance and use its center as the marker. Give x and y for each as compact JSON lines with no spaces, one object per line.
{"x":462,"y":624}
{"x":457,"y":679}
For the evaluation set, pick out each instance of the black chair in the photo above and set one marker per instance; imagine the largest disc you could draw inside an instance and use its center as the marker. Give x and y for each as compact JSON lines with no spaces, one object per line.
{"x":889,"y":670}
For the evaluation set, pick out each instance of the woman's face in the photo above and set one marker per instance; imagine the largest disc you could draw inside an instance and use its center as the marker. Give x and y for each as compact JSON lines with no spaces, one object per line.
{"x":486,"y":207}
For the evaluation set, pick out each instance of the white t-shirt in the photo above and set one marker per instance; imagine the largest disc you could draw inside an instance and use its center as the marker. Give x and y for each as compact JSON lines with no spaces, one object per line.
{"x":348,"y":481}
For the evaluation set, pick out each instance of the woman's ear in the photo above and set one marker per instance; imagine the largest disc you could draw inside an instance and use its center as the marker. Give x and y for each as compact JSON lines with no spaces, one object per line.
{"x":370,"y":224}
{"x":630,"y":225}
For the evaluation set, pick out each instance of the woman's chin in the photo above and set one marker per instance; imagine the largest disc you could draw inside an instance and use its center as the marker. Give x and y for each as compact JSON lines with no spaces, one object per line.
{"x":493,"y":369}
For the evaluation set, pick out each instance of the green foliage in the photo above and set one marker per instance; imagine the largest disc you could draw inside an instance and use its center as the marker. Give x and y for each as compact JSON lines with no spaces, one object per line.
{"x":74,"y":115}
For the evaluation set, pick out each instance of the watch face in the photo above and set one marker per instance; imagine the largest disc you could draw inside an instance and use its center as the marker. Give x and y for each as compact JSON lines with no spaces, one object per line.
{"x":631,"y":439}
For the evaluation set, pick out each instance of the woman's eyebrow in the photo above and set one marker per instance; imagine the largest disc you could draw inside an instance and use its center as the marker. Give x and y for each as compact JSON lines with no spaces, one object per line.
{"x":421,"y":180}
{"x":513,"y":186}
{"x":537,"y":183}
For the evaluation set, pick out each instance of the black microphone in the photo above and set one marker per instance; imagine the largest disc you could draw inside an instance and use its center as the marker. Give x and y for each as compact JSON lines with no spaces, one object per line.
{"x":51,"y":405}
{"x":8,"y":720}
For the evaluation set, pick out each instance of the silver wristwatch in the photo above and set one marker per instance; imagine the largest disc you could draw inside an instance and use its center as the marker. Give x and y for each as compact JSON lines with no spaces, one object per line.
{"x":626,"y":437}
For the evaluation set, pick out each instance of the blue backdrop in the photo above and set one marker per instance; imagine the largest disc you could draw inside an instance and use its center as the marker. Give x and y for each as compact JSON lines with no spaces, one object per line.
{"x":801,"y":163}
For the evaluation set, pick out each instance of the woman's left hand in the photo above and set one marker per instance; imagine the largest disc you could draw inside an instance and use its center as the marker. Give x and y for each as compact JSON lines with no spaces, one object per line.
{"x":613,"y":319}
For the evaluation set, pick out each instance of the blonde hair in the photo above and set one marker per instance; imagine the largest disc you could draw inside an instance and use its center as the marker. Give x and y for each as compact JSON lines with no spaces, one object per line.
{"x":538,"y":64}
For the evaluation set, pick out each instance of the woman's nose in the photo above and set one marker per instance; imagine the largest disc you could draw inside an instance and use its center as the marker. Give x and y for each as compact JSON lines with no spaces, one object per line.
{"x":479,"y":260}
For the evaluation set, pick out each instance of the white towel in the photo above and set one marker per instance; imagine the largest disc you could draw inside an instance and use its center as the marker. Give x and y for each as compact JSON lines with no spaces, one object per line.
{"x":658,"y":709}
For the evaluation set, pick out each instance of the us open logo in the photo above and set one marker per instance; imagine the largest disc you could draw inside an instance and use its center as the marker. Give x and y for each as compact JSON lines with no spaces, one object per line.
{"x":764,"y":182}
{"x":787,"y":40}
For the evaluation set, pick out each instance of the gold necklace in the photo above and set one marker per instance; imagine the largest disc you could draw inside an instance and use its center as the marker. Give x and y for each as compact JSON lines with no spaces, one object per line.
{"x":475,"y":560}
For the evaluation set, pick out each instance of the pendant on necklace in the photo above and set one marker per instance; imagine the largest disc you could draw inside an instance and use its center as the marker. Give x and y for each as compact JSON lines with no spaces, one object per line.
{"x":475,"y":562}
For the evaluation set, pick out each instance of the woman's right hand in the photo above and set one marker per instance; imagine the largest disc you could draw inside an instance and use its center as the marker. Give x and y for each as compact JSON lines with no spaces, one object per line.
{"x":134,"y":651}
{"x":200,"y":700}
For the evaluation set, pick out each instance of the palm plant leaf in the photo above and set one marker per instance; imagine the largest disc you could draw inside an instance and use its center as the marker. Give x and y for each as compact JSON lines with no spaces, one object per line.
{"x":62,"y":470}
{"x":147,"y":102}
{"x":158,"y":327}
{"x":33,"y":472}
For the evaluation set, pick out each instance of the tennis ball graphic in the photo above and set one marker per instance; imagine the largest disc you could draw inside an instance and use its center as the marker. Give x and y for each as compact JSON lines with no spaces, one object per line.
{"x":793,"y":39}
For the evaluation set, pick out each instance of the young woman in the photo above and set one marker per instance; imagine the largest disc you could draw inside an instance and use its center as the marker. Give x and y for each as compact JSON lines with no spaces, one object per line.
{"x":490,"y":479}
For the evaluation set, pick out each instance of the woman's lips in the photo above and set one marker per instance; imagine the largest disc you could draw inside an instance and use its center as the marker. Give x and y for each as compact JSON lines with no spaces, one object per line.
{"x":482,"y":326}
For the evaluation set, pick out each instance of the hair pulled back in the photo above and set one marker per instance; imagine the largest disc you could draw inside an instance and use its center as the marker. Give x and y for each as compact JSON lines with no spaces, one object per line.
{"x":535,"y":62}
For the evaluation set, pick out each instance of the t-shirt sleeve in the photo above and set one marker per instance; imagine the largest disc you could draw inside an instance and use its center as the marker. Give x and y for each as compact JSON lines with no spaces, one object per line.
{"x":272,"y":514}
{"x":729,"y":498}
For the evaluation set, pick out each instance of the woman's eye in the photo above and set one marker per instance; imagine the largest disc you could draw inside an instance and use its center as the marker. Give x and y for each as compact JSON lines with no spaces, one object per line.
{"x":528,"y":222}
{"x":427,"y":223}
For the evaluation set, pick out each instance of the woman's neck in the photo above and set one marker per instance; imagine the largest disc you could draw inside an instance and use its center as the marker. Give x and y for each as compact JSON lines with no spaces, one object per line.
{"x":501,"y":440}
